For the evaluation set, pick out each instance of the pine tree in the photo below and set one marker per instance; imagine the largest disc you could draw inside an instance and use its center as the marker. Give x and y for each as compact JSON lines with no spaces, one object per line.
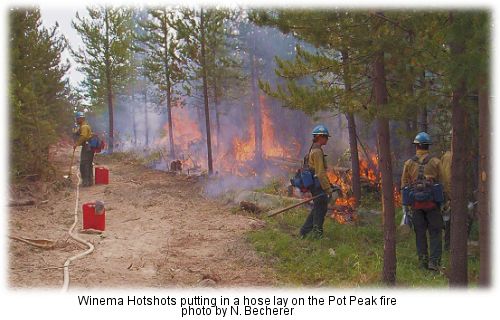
{"x":106,"y":58}
{"x":467,"y":68}
{"x":39,"y":94}
{"x":331,"y":68}
{"x":163,"y":62}
{"x":199,"y":29}
{"x":376,"y":48}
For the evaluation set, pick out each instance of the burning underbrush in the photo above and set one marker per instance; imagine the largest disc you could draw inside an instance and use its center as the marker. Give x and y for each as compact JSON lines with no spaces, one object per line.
{"x":252,"y":149}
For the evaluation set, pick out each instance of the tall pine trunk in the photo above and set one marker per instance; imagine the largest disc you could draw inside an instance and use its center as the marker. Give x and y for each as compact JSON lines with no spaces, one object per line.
{"x":146,"y":125}
{"x":351,"y":126}
{"x":134,"y":127}
{"x":385,"y":167}
{"x":353,"y":147}
{"x":458,"y":237}
{"x":205,"y":93}
{"x":166,"y":66}
{"x":109,"y":84}
{"x":216,"y":100}
{"x":484,"y":193}
{"x":257,"y":108}
{"x":170,"y":122}
{"x":409,"y":148}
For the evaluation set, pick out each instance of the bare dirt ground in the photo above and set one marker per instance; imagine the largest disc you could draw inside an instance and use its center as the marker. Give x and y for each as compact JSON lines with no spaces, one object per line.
{"x":160,"y":232}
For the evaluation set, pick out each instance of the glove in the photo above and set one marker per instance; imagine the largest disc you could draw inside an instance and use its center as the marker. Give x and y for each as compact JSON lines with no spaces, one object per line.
{"x":336,"y":188}
{"x":407,"y":216}
{"x":445,"y":211}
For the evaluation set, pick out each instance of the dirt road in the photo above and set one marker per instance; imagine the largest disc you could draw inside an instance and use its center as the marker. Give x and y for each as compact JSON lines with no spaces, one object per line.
{"x":160,"y":232}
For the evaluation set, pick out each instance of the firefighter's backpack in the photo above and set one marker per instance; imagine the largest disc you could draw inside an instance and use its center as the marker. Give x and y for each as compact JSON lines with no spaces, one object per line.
{"x":422,"y":193}
{"x":96,"y":143}
{"x":304,"y":178}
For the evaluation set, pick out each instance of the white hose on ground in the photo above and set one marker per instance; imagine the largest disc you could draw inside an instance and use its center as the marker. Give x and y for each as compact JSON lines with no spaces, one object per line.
{"x":77,"y":238}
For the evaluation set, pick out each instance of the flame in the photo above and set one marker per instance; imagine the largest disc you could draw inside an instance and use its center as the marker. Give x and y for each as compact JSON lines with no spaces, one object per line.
{"x":244,"y":150}
{"x":270,"y":144}
{"x":236,"y":154}
{"x":343,"y":211}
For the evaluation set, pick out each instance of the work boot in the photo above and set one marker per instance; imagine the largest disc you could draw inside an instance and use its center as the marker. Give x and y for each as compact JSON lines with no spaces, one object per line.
{"x":423,"y":262}
{"x":434,"y":265}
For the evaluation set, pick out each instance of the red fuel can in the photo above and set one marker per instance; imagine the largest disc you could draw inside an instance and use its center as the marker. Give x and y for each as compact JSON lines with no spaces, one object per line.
{"x":93,"y":219}
{"x":101,"y":175}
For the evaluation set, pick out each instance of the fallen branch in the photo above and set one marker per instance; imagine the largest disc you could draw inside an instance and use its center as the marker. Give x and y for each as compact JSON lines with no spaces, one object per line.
{"x":90,"y":231}
{"x":128,"y":220}
{"x":40,"y":243}
{"x":19,"y":203}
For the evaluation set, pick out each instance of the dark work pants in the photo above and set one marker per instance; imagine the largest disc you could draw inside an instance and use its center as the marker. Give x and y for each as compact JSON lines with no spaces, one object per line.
{"x":447,"y":235}
{"x":428,"y":221}
{"x":86,"y":170}
{"x":316,"y":217}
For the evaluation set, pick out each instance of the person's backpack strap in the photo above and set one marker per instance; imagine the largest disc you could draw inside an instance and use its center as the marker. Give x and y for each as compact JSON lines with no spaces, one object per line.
{"x":421,"y":166}
{"x":306,"y":157}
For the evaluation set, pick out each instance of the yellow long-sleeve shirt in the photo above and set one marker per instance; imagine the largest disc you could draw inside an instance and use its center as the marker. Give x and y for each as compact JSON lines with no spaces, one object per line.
{"x":446,"y":172}
{"x":317,"y":162}
{"x":431,"y":169}
{"x":85,"y":133}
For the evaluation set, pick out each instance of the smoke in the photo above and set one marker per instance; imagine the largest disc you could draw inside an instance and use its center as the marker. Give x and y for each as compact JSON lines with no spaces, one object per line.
{"x":253,"y":142}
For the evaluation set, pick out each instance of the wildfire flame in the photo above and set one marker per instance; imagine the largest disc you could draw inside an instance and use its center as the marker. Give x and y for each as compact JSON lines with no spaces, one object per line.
{"x":236,"y":154}
{"x":343,"y":211}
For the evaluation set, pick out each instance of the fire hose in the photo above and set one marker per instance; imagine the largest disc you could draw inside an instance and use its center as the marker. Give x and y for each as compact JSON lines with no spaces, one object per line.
{"x":76,"y":238}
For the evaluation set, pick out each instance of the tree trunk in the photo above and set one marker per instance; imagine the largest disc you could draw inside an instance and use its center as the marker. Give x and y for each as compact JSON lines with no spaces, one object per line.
{"x":353,"y":147}
{"x":351,"y":126}
{"x":205,"y":93}
{"x":423,"y":124}
{"x":257,"y":108}
{"x":385,"y":166}
{"x":216,"y":95}
{"x":134,"y":127}
{"x":422,"y":121}
{"x":217,"y":117}
{"x":410,"y":148}
{"x":484,"y":192}
{"x":170,"y":122}
{"x":146,"y":125}
{"x":109,"y":85}
{"x":166,"y":69}
{"x":458,"y":236}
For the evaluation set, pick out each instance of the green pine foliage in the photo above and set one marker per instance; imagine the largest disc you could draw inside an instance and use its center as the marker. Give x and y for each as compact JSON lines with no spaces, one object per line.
{"x":107,"y":58}
{"x":163,"y":60}
{"x":39,"y":94}
{"x":215,"y":35}
{"x":106,"y":49}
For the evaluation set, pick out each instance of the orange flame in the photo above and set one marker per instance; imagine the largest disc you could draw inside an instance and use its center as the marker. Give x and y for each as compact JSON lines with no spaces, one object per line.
{"x":270,"y":144}
{"x":244,"y":150}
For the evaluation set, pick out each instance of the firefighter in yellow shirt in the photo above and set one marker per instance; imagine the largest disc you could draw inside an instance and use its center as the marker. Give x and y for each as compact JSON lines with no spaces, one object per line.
{"x":422,"y":197}
{"x":316,"y":161}
{"x":83,"y":135}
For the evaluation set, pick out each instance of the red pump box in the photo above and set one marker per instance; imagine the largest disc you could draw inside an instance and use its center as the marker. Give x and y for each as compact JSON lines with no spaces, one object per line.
{"x":101,"y":175}
{"x":91,"y":218}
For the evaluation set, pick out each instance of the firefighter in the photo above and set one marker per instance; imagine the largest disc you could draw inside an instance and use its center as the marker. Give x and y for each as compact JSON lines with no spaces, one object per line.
{"x":84,"y":134}
{"x":421,"y":178}
{"x":316,"y":161}
{"x":446,"y":210}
